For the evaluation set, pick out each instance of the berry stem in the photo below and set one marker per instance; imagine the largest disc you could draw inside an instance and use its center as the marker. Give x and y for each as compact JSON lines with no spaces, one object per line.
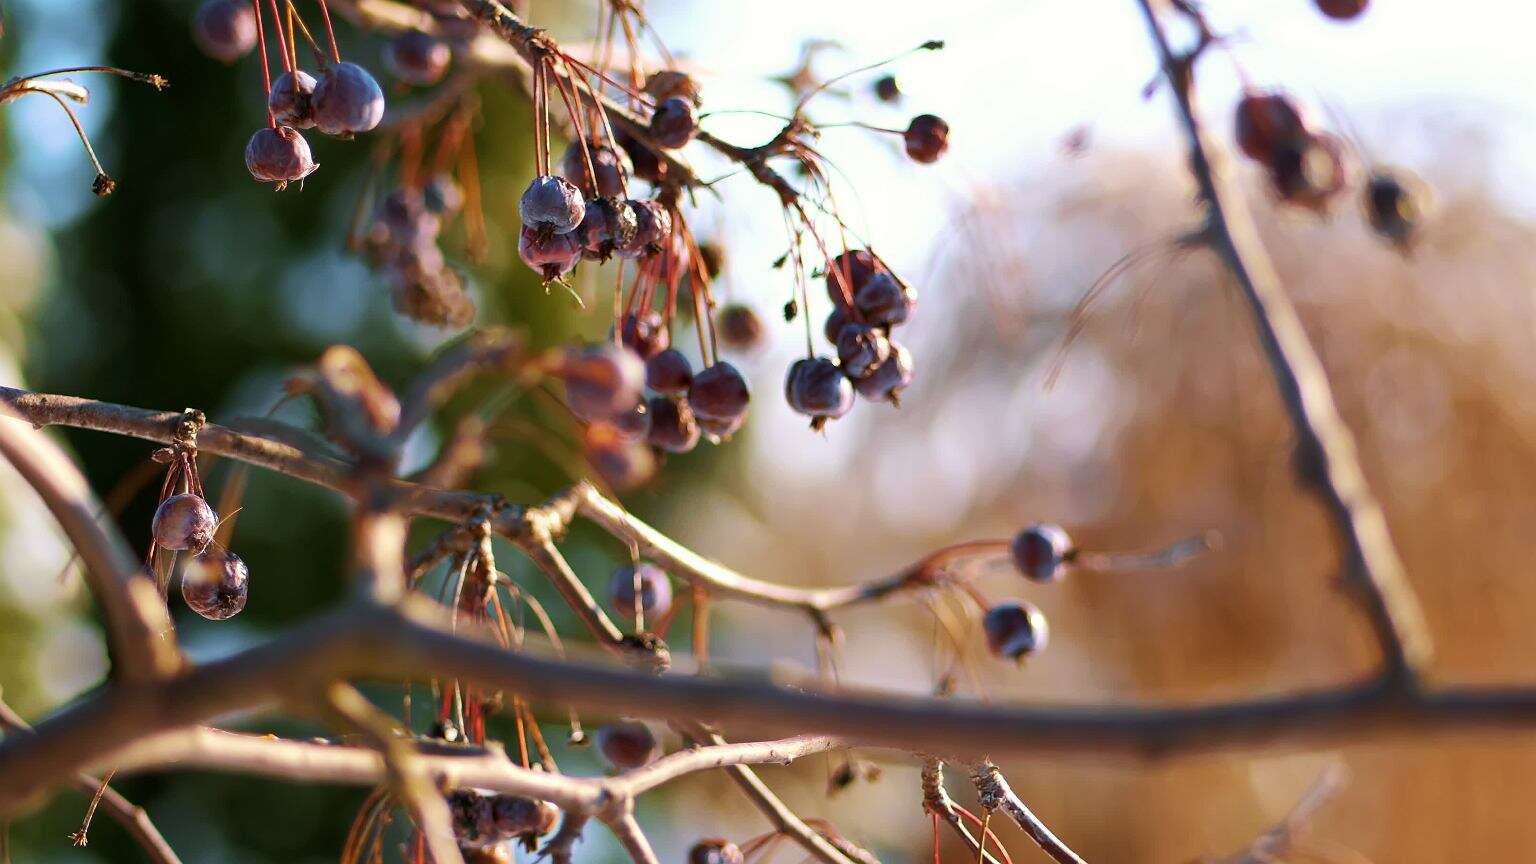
{"x":330,"y":31}
{"x":314,"y":47}
{"x":80,"y":131}
{"x":266,"y":71}
{"x":282,"y":40}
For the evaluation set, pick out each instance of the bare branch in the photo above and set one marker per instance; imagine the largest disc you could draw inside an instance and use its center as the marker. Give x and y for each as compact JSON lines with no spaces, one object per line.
{"x":995,"y":793}
{"x":629,"y":835}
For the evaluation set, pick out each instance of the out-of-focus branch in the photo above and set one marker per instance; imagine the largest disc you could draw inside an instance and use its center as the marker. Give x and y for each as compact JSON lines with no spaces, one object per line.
{"x":1326,"y":447}
{"x":627,"y":831}
{"x":995,"y":794}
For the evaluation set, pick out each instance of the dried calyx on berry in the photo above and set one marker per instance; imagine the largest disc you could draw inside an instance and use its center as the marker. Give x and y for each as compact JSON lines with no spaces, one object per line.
{"x":552,"y":256}
{"x":279,"y":154}
{"x":715,"y":850}
{"x":674,"y":427}
{"x":926,"y":138}
{"x":653,"y":228}
{"x":1015,"y":629}
{"x":417,"y":58}
{"x":674,"y":123}
{"x":291,"y":99}
{"x":225,"y":30}
{"x":643,"y":580}
{"x":184,"y":522}
{"x":610,"y":166}
{"x":215,"y":584}
{"x":627,"y":744}
{"x":552,"y":205}
{"x":672,"y":83}
{"x":347,"y":100}
{"x":608,"y":226}
{"x":817,"y":388}
{"x":602,"y":382}
{"x":1042,"y":552}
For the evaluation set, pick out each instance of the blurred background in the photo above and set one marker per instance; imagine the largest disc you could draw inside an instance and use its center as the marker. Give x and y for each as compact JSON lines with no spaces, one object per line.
{"x":193,"y":286}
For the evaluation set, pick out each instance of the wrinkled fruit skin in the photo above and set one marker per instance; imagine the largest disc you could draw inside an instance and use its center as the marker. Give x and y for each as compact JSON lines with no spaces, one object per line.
{"x":608,"y":225}
{"x":816,"y":387}
{"x":279,"y":155}
{"x":674,"y":428}
{"x":552,"y":205}
{"x":603,"y":382}
{"x":184,"y":522}
{"x":861,"y":348}
{"x":674,"y":122}
{"x":669,"y":372}
{"x":627,"y":744}
{"x":347,"y":100}
{"x":644,"y":333}
{"x":653,"y":227}
{"x":884,"y":302}
{"x":720,"y":393}
{"x":612,"y":167}
{"x":225,"y":30}
{"x":886,"y":382}
{"x":740,"y":328}
{"x":417,"y":58}
{"x":1040,"y":552}
{"x":550,"y":255}
{"x":1267,"y":121}
{"x":291,"y":99}
{"x":715,"y":850}
{"x":655,"y":590}
{"x":215,"y":584}
{"x":1015,"y":629}
{"x":926,"y":138}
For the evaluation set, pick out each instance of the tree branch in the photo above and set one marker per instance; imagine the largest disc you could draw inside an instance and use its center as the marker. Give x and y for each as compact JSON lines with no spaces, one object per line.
{"x":995,"y":793}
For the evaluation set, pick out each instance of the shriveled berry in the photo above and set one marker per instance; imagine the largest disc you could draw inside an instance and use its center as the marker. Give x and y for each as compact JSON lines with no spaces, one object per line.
{"x":417,"y":58}
{"x":1267,"y":121}
{"x":675,"y":121}
{"x":653,"y":228}
{"x":552,"y":204}
{"x":225,"y":29}
{"x":740,"y":328}
{"x":522,"y":816}
{"x":279,"y":155}
{"x":611,"y":166}
{"x":1040,"y":552}
{"x":648,"y":164}
{"x":442,"y":196}
{"x":404,"y":213}
{"x":1342,"y":10}
{"x":887,"y":89}
{"x":852,"y":269}
{"x":719,"y":392}
{"x":655,"y":590}
{"x":674,"y":428}
{"x":550,"y":255}
{"x":627,"y":744}
{"x":860,"y":348}
{"x":669,"y":372}
{"x":817,"y":388}
{"x":886,"y":381}
{"x":290,"y":100}
{"x":184,"y":521}
{"x":602,"y":382}
{"x":1395,"y":206}
{"x":715,"y":850}
{"x":644,"y":333}
{"x":884,"y":302}
{"x":347,"y":100}
{"x":472,"y":817}
{"x":1015,"y":629}
{"x":621,"y":463}
{"x":1310,"y":172}
{"x":608,"y":225}
{"x":926,"y":138}
{"x":215,"y":584}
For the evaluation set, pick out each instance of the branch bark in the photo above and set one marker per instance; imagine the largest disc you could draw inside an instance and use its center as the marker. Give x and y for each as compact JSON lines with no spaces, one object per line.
{"x":995,"y":794}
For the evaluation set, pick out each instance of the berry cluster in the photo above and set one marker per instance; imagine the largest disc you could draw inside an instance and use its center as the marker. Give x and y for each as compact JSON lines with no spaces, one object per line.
{"x":402,"y":245}
{"x":215,"y":582}
{"x":484,"y":819}
{"x":1015,"y":629}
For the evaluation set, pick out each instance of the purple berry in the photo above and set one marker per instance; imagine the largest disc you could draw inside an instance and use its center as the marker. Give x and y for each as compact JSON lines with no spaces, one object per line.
{"x":279,"y":155}
{"x":669,"y":372}
{"x":215,"y":584}
{"x":883,"y":301}
{"x":550,"y":255}
{"x":552,"y":205}
{"x":634,"y":425}
{"x":853,"y":268}
{"x":926,"y":138}
{"x":184,"y":521}
{"x":225,"y":29}
{"x":817,"y":388}
{"x":347,"y":100}
{"x":291,"y":99}
{"x":674,"y":428}
{"x":675,"y":121}
{"x":655,"y":590}
{"x":404,"y":213}
{"x":621,"y":463}
{"x":1040,"y":552}
{"x":608,"y":225}
{"x":611,"y":165}
{"x":740,"y":328}
{"x":715,"y":850}
{"x":835,"y":323}
{"x":442,"y":196}
{"x":886,"y":381}
{"x":472,"y":817}
{"x":860,"y":348}
{"x":1015,"y":629}
{"x":644,"y":333}
{"x":417,"y":58}
{"x":719,"y":392}
{"x":603,"y":382}
{"x":627,"y":744}
{"x":653,"y":226}
{"x":522,"y":816}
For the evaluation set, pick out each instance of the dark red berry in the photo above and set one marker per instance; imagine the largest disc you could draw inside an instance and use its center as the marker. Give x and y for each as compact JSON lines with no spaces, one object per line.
{"x":712,"y":256}
{"x":622,"y":463}
{"x":550,"y":255}
{"x":648,"y":164}
{"x":602,"y":382}
{"x":1267,"y":121}
{"x":1015,"y":629}
{"x":215,"y":584}
{"x":674,"y":428}
{"x":669,"y":372}
{"x":860,"y":348}
{"x":926,"y":138}
{"x":279,"y":155}
{"x":1040,"y":552}
{"x":522,"y":816}
{"x":887,"y":89}
{"x":817,"y":388}
{"x":417,"y":58}
{"x":552,"y":204}
{"x":653,"y":229}
{"x":835,"y":323}
{"x":850,"y":270}
{"x":644,"y":333}
{"x":225,"y":29}
{"x":184,"y":521}
{"x":290,"y":99}
{"x":740,"y":328}
{"x":886,"y":381}
{"x":611,"y":165}
{"x":634,"y":425}
{"x":655,"y":590}
{"x":627,"y":744}
{"x":1310,"y":171}
{"x":347,"y":100}
{"x":1342,"y":10}
{"x":608,"y":225}
{"x":715,"y":850}
{"x":884,"y":302}
{"x":675,"y":121}
{"x":719,"y":392}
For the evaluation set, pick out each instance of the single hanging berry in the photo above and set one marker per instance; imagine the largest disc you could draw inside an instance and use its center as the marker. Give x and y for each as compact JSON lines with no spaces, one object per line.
{"x":926,"y":138}
{"x":654,"y":586}
{"x":817,"y":388}
{"x":215,"y":584}
{"x":551,"y":205}
{"x":279,"y":155}
{"x":347,"y":100}
{"x":1041,"y":551}
{"x":1015,"y":629}
{"x":627,"y":744}
{"x":225,"y":30}
{"x":184,"y":522}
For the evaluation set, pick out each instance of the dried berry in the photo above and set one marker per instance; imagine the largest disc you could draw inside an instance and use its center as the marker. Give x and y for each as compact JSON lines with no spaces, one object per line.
{"x":1015,"y":629}
{"x":608,"y":225}
{"x":627,"y":744}
{"x":550,"y":255}
{"x":740,"y":328}
{"x":817,"y":388}
{"x":1394,"y":206}
{"x":472,"y":817}
{"x":552,"y":205}
{"x":644,"y":333}
{"x":611,"y":165}
{"x":883,"y":301}
{"x":1310,"y":172}
{"x":719,"y":392}
{"x":674,"y":428}
{"x":926,"y":138}
{"x":1041,"y":552}
{"x":887,"y":89}
{"x":347,"y":100}
{"x":675,"y":121}
{"x":712,"y":256}
{"x":669,"y":372}
{"x":655,"y":590}
{"x":653,"y":227}
{"x":522,"y":816}
{"x":886,"y":381}
{"x":279,"y":155}
{"x":215,"y":584}
{"x":417,"y":58}
{"x":602,"y":382}
{"x":290,"y":99}
{"x":1342,"y":10}
{"x":225,"y":29}
{"x":860,"y":348}
{"x":404,"y":213}
{"x":184,"y":521}
{"x":1267,"y":121}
